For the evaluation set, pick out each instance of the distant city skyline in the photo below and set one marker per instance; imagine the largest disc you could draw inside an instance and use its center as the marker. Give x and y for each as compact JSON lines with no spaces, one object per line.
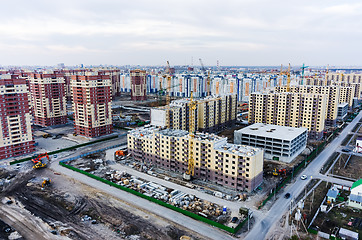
{"x":235,"y":33}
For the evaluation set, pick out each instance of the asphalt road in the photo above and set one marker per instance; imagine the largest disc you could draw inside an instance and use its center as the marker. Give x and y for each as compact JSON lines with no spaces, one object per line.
{"x":262,"y":227}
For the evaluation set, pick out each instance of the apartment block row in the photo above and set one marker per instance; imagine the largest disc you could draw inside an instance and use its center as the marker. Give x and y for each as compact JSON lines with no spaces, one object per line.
{"x":336,"y":94}
{"x":345,"y":77}
{"x":182,"y":84}
{"x":235,"y":166}
{"x":212,"y":114}
{"x":45,"y":105}
{"x":290,"y":109}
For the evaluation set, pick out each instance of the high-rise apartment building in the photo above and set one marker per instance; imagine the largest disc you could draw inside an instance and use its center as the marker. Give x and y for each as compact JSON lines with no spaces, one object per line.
{"x":15,"y":120}
{"x":115,"y":79}
{"x":212,"y":114}
{"x":331,"y":92}
{"x":290,"y":109}
{"x":342,"y":77}
{"x":48,"y":100}
{"x":92,"y":104}
{"x":235,"y":166}
{"x":138,"y":85}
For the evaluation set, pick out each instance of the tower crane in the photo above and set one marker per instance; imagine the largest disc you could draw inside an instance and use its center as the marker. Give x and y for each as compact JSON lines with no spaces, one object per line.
{"x":326,"y":77}
{"x":208,"y":79}
{"x":303,"y":67}
{"x":192,"y":129}
{"x":281,"y":74}
{"x":288,"y":79}
{"x":168,"y":71}
{"x":190,"y":164}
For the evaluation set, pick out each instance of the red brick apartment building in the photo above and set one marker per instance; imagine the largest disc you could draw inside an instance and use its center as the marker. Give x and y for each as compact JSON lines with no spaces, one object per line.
{"x":48,"y":99}
{"x":15,"y":120}
{"x":138,"y":85}
{"x":92,"y":104}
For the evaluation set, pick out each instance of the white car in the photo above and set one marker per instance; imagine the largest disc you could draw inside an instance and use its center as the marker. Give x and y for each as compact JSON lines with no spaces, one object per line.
{"x":303,"y":177}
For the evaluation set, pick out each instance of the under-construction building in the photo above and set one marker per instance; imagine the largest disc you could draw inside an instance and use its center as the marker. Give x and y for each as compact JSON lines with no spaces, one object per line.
{"x":212,"y":114}
{"x":138,"y":85}
{"x":290,"y":109}
{"x":235,"y":166}
{"x":15,"y":119}
{"x":48,"y":99}
{"x":92,"y":104}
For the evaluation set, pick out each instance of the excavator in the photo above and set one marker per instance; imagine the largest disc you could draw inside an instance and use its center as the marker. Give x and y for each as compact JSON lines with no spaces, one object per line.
{"x":282,"y":172}
{"x":119,"y":154}
{"x":39,"y":161}
{"x":46,"y":182}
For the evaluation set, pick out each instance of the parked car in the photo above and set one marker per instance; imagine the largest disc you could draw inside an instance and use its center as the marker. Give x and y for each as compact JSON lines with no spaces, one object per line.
{"x":287,"y":195}
{"x":303,"y":177}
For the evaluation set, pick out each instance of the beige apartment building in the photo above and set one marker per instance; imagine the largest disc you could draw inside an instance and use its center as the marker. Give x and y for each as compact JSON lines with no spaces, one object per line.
{"x":290,"y":109}
{"x":331,"y":92}
{"x":212,"y":114}
{"x":342,"y":77}
{"x":235,"y":166}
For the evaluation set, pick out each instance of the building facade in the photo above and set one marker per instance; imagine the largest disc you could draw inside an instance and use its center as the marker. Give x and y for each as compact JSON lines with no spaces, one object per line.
{"x":279,"y":143}
{"x":15,"y":118}
{"x":212,"y":114}
{"x":48,"y":99}
{"x":92,"y":104}
{"x":235,"y":166}
{"x":332,"y":94}
{"x":290,"y":109}
{"x":342,"y":111}
{"x":355,"y":198}
{"x":138,"y":85}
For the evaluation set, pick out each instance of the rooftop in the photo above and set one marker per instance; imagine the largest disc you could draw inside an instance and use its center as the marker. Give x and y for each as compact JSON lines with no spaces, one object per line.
{"x":241,"y":150}
{"x":357,"y":183}
{"x":272,"y":131}
{"x":333,"y":192}
{"x":220,"y":143}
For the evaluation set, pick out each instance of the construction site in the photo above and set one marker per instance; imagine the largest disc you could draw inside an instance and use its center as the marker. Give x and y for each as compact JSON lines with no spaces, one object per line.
{"x":170,"y":146}
{"x":51,"y":209}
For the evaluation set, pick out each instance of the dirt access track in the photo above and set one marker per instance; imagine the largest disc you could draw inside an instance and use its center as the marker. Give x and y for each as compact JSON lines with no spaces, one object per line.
{"x":67,"y":209}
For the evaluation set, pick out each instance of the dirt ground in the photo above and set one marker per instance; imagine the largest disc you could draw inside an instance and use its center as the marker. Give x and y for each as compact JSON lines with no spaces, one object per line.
{"x":229,"y":133}
{"x":71,"y":209}
{"x":313,"y":201}
{"x":353,"y":167}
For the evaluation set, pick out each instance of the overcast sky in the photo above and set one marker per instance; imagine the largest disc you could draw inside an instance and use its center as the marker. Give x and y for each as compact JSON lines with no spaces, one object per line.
{"x":150,"y":32}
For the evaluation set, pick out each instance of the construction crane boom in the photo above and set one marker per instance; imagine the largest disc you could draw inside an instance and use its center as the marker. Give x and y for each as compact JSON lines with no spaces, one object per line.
{"x":288,"y":79}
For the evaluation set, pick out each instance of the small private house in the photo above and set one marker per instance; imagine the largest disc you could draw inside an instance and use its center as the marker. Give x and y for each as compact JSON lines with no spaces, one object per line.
{"x":355,"y":198}
{"x":332,"y":194}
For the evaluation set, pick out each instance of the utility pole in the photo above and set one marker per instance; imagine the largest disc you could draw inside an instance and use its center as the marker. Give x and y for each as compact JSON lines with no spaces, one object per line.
{"x":248,"y":219}
{"x":312,"y":200}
